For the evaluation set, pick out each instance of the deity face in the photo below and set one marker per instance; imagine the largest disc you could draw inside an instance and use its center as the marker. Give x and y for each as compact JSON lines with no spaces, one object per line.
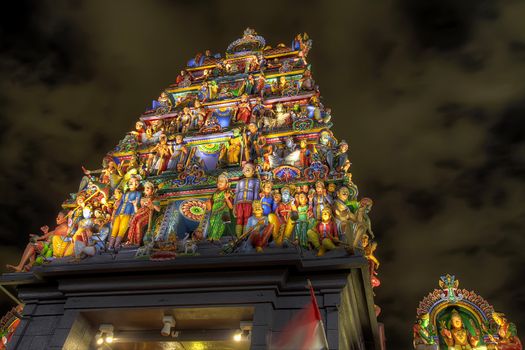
{"x":285,"y":195}
{"x":267,"y":188}
{"x":148,"y":190}
{"x":197,"y":104}
{"x":252,"y":127}
{"x":331,"y":187}
{"x":186,"y":110}
{"x":178,"y":139}
{"x":244,"y":98}
{"x":289,"y":142}
{"x":279,"y":108}
{"x":302,"y":198}
{"x":257,"y":209}
{"x":248,"y":170}
{"x":133,"y":184}
{"x":61,"y":218}
{"x":222,"y":183}
{"x":282,"y":80}
{"x":326,"y":215}
{"x":117,"y":194}
{"x":324,"y":139}
{"x":277,"y":197}
{"x":364,"y":241}
{"x":139,"y":126}
{"x":305,"y":188}
{"x":319,"y":188}
{"x":343,"y":194}
{"x":456,"y":321}
{"x":163,"y":139}
{"x":163,"y":96}
{"x":98,"y":213}
{"x":343,"y":148}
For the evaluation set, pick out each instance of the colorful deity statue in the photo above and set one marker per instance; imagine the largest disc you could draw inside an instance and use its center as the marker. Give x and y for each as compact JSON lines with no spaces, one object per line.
{"x":246,"y":191}
{"x":143,"y":217}
{"x":320,"y":199}
{"x":82,"y":242}
{"x":325,"y":149}
{"x":424,"y":334}
{"x":507,"y":333}
{"x":361,"y":221}
{"x":342,"y":212}
{"x":303,"y":222}
{"x":160,"y":156}
{"x":258,"y":227}
{"x":457,"y":336}
{"x":284,"y":214}
{"x":231,"y":151}
{"x":198,"y":115}
{"x":324,"y":236}
{"x":307,"y":82}
{"x":38,"y":244}
{"x":179,"y":152}
{"x":133,"y":169}
{"x":219,"y":206}
{"x":185,"y":120}
{"x":110,"y":174}
{"x":342,"y":160}
{"x":266,"y":197}
{"x":140,"y":131}
{"x":282,"y":117}
{"x":369,"y":247}
{"x":128,"y":206}
{"x":304,"y":154}
{"x":251,"y":139}
{"x":260,"y":86}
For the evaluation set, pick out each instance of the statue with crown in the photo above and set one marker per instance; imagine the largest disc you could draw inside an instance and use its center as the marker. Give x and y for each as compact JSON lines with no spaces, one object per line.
{"x":457,"y":319}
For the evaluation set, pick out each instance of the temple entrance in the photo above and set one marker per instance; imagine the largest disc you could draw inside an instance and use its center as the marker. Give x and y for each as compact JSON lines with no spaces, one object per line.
{"x":210,"y":328}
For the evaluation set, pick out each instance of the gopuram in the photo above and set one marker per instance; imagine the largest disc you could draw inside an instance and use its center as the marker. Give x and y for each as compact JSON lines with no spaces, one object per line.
{"x":451,"y":318}
{"x":205,"y":224}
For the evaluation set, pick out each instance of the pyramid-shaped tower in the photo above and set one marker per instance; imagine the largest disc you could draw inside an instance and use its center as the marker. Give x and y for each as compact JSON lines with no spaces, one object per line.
{"x":229,"y":196}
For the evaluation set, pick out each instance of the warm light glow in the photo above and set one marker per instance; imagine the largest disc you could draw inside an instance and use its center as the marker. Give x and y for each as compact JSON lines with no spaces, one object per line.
{"x":100,"y":341}
{"x":109,"y":339}
{"x":237,"y":336}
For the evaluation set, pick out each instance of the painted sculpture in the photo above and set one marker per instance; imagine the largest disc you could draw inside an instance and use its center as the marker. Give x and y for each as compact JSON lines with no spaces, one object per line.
{"x":452,"y":318}
{"x":237,"y":153}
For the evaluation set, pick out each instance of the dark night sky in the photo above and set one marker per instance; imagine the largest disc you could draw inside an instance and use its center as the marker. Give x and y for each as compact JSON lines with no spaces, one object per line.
{"x":429,"y":94}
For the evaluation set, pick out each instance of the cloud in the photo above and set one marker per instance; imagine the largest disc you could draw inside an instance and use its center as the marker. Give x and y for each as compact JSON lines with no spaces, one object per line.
{"x":429,"y":96}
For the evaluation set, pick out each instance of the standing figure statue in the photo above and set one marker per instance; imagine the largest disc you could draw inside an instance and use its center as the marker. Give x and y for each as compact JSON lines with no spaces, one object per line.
{"x":143,"y":217}
{"x":244,"y":110}
{"x":160,"y":155}
{"x":362,"y":223}
{"x":246,"y":191}
{"x":325,"y":149}
{"x":342,"y":212}
{"x":128,"y":206}
{"x":219,"y":205}
{"x":179,"y":152}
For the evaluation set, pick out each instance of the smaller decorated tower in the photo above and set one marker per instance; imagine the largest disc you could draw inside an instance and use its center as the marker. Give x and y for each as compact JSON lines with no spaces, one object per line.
{"x":454,"y":318}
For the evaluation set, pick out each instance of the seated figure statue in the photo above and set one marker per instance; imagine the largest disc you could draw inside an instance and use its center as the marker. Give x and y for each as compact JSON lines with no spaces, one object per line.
{"x":459,"y":336}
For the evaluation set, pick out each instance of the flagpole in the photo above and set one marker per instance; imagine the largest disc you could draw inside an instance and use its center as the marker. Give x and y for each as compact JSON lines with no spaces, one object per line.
{"x":325,"y":340}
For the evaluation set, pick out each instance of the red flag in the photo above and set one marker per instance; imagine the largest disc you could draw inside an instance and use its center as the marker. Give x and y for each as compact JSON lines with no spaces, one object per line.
{"x":305,"y":331}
